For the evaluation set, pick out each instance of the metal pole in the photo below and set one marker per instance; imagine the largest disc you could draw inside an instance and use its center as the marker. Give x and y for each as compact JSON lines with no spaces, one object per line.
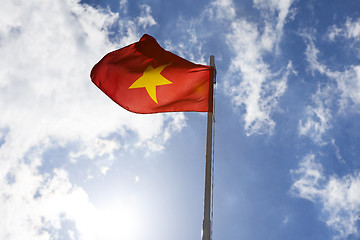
{"x":208,"y":168}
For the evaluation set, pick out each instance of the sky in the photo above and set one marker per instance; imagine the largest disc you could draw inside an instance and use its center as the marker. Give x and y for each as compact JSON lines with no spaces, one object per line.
{"x":74,"y":165}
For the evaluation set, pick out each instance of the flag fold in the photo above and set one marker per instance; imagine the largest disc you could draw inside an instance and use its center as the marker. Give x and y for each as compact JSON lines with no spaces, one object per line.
{"x":145,"y":78}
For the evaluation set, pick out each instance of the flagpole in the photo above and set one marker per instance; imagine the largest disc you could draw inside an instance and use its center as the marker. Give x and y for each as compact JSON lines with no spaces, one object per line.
{"x":207,"y":225}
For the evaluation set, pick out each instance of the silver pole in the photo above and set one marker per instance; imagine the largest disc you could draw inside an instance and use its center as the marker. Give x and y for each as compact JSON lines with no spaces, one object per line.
{"x":207,"y":226}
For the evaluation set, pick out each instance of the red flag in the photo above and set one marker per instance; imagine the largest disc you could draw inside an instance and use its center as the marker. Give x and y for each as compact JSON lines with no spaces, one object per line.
{"x":145,"y":78}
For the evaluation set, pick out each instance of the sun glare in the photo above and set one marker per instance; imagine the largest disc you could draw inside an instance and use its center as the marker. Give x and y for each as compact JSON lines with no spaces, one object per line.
{"x":120,"y":221}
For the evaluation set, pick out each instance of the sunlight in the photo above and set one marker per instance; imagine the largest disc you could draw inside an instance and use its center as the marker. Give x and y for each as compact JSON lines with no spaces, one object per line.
{"x":120,"y":221}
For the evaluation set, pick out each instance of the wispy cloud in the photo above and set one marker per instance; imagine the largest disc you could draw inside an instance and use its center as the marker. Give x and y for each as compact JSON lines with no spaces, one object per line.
{"x":318,"y":117}
{"x":347,"y":80}
{"x":222,"y":9}
{"x":262,"y":83}
{"x":339,"y":95}
{"x":145,"y":19}
{"x":339,"y":197}
{"x":350,"y":30}
{"x":281,"y":9}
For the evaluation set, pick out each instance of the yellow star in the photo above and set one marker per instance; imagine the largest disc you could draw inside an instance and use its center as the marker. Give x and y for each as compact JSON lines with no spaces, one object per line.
{"x":150,"y":80}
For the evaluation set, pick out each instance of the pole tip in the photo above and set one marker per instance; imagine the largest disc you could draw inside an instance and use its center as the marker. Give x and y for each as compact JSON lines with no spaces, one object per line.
{"x":212,"y":60}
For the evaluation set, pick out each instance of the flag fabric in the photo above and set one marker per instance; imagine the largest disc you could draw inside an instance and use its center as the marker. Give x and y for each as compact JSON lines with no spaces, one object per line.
{"x":145,"y":78}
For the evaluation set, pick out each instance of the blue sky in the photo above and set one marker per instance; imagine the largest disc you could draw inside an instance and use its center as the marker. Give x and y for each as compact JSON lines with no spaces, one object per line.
{"x":74,"y":165}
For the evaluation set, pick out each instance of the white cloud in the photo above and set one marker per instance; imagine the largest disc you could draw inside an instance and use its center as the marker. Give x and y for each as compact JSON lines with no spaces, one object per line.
{"x":339,"y":196}
{"x":348,"y":81}
{"x":312,"y":52}
{"x":32,"y":203}
{"x":261,"y":83}
{"x":46,"y":97}
{"x":318,"y":117}
{"x":100,"y":151}
{"x":349,"y":30}
{"x":308,"y":178}
{"x":104,"y":170}
{"x":279,"y":8}
{"x":260,"y":88}
{"x":337,"y":151}
{"x":341,"y":92}
{"x":190,"y":44}
{"x":145,"y":19}
{"x":99,"y":147}
{"x":333,"y":32}
{"x":123,"y":5}
{"x":352,"y":28}
{"x":222,"y":9}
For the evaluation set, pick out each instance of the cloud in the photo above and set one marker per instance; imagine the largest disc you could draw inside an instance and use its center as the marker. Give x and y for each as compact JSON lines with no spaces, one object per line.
{"x":189,"y":43}
{"x":352,"y":29}
{"x":348,"y":80}
{"x":339,"y":95}
{"x":318,"y":117}
{"x":222,"y":9}
{"x":47,"y":100}
{"x":308,"y":178}
{"x":339,"y":197}
{"x":281,"y":8}
{"x":145,"y":19}
{"x":349,"y":30}
{"x":312,"y":52}
{"x":262,"y":82}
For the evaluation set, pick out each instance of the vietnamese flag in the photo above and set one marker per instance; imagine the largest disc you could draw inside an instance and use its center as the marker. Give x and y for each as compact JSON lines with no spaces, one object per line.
{"x":145,"y":78}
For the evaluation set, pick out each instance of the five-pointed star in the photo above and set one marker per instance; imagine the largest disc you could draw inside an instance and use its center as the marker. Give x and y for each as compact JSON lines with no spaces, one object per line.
{"x":150,"y":79}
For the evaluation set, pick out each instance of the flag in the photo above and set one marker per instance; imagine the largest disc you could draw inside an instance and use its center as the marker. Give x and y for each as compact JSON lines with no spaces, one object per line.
{"x":145,"y":78}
